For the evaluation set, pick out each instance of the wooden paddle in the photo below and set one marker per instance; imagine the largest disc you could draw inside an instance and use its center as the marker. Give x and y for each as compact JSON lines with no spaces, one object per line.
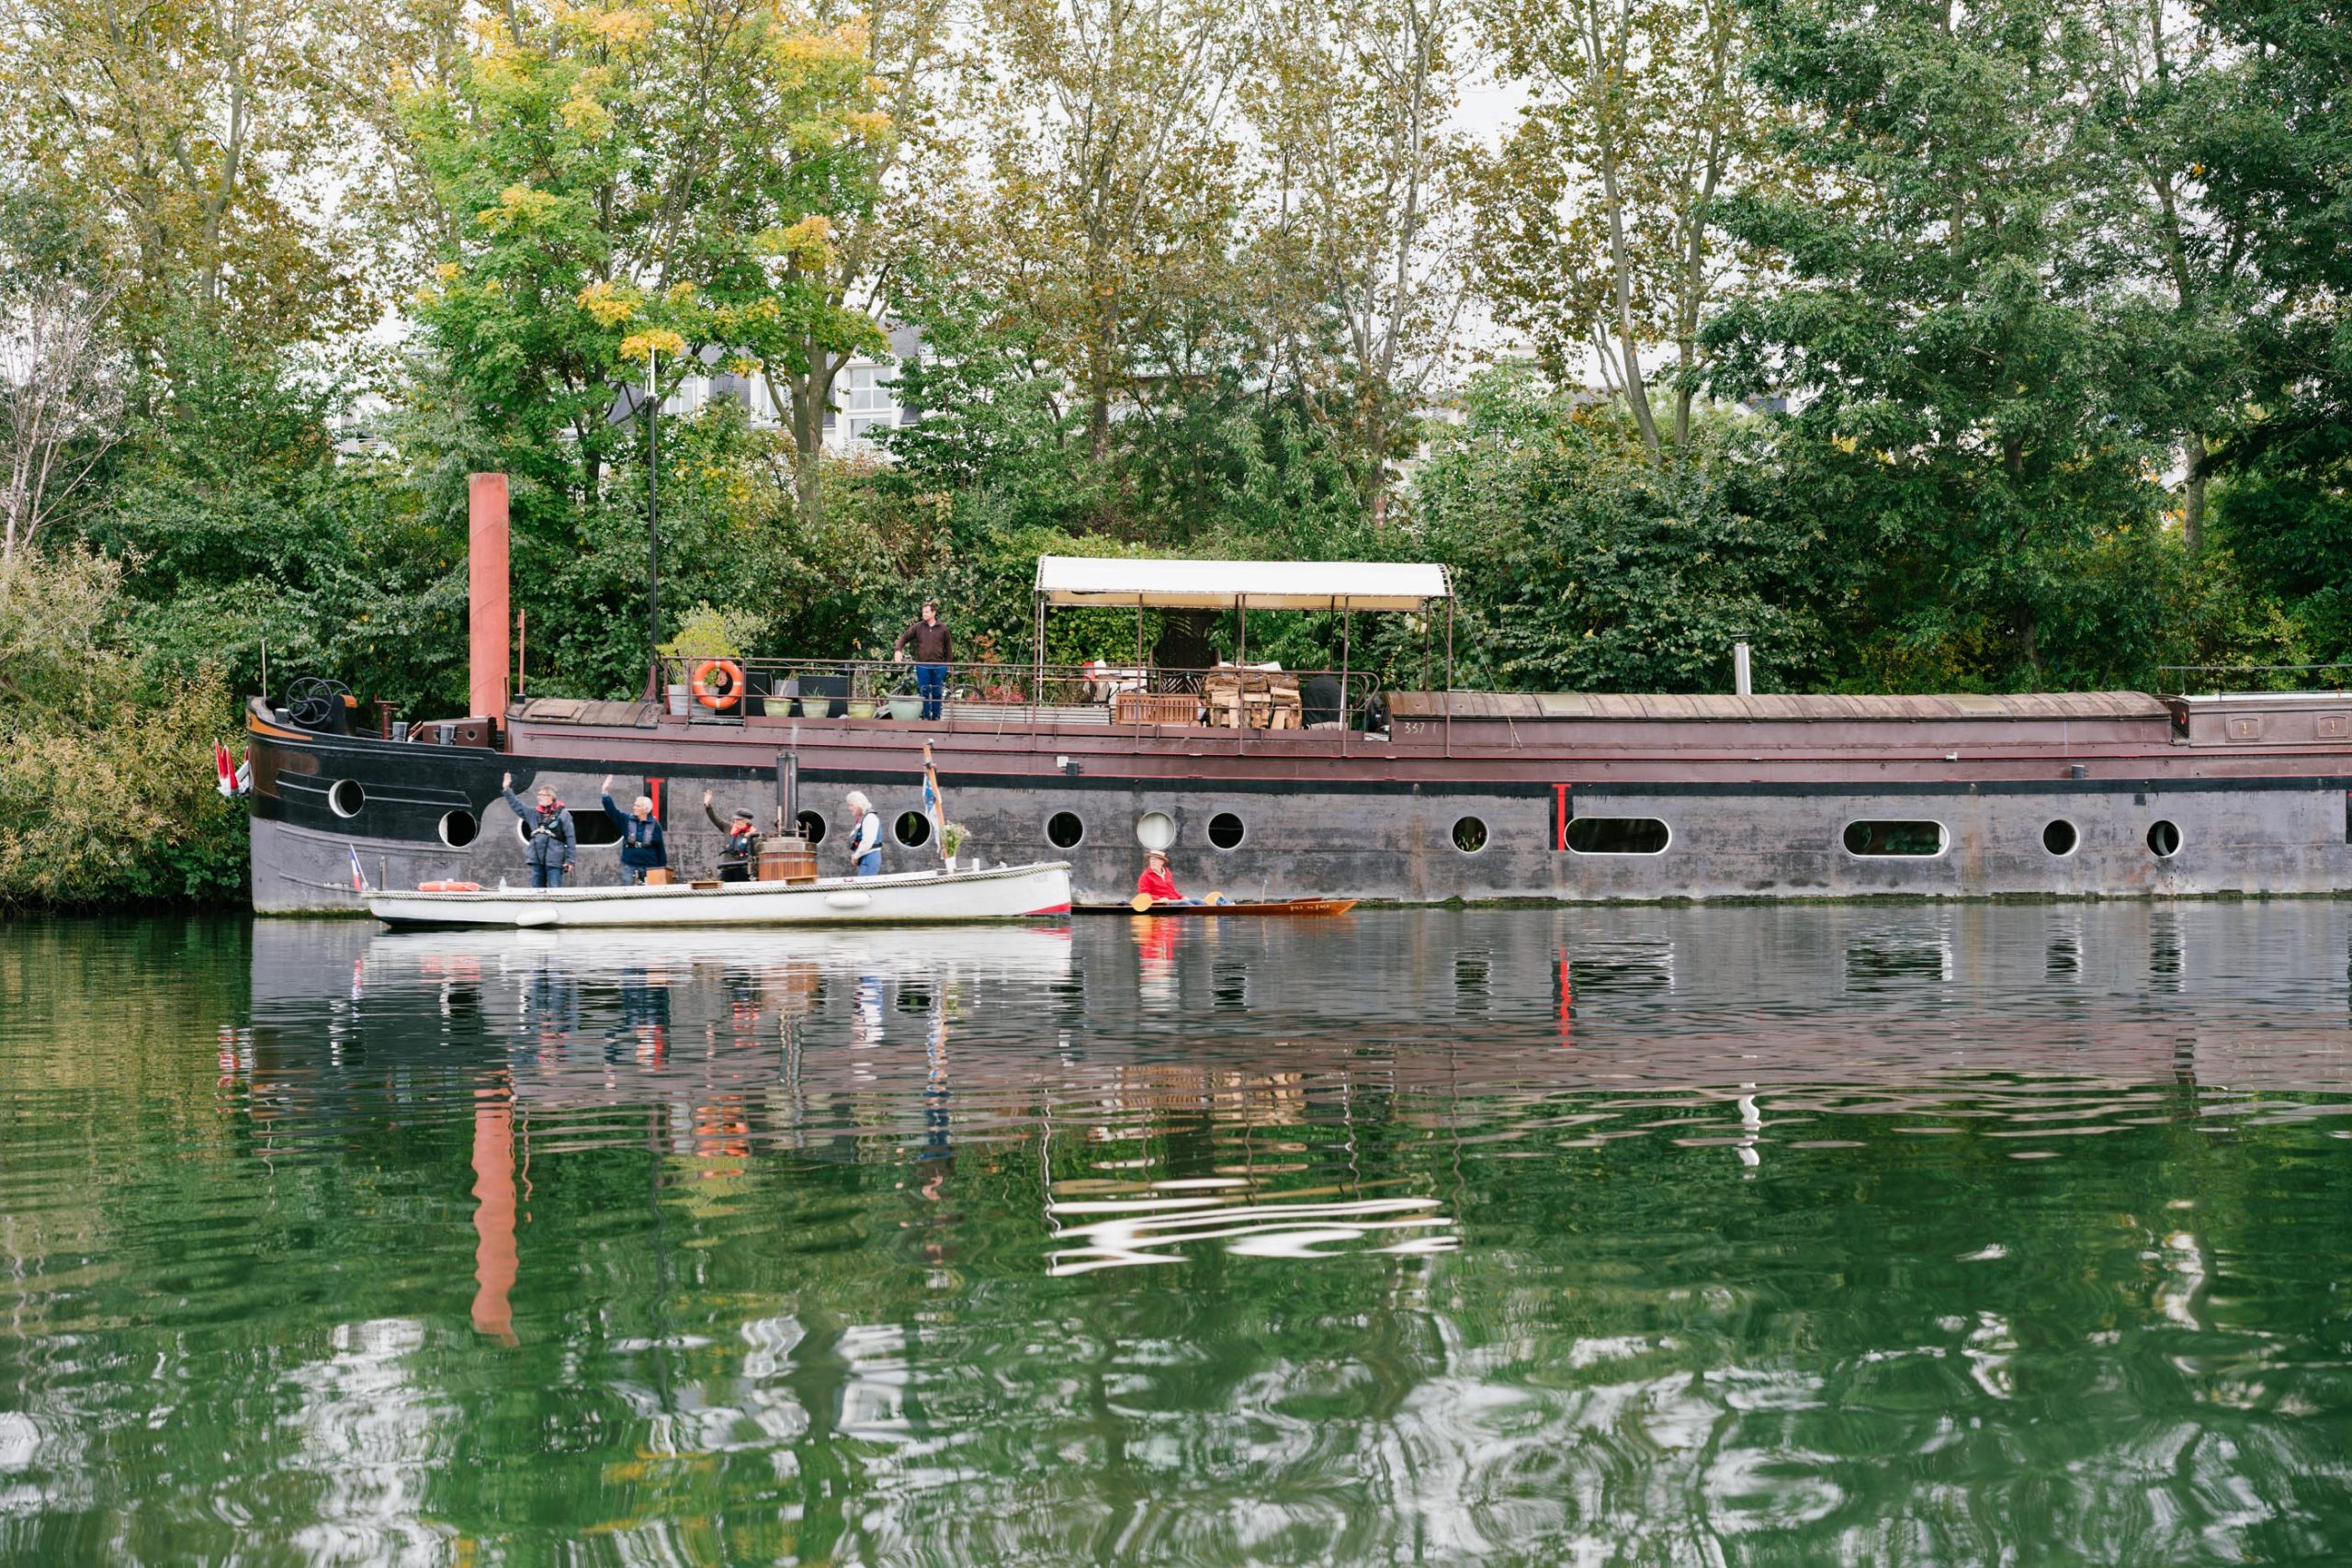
{"x":1142,"y":905}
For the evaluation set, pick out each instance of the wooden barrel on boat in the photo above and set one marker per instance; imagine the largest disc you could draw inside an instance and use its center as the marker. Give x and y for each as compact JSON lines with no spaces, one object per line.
{"x":786,"y":857}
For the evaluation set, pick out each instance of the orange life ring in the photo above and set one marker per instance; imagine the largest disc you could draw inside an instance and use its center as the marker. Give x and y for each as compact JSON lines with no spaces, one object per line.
{"x":448,"y":887}
{"x":723,"y":699}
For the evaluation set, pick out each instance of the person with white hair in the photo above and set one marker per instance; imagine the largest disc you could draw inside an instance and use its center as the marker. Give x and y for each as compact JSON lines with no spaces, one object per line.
{"x":644,"y":846}
{"x":865,"y":835}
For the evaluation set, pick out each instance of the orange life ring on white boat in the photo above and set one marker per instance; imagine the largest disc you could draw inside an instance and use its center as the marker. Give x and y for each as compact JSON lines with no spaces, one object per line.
{"x":721,"y":698}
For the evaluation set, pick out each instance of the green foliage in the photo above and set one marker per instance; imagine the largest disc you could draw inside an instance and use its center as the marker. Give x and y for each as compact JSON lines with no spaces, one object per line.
{"x":1950,"y":335}
{"x":105,"y":779}
{"x":706,"y":633}
{"x":1585,"y":566}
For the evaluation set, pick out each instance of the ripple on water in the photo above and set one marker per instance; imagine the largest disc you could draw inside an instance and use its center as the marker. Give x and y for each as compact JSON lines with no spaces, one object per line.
{"x":1925,"y":1235}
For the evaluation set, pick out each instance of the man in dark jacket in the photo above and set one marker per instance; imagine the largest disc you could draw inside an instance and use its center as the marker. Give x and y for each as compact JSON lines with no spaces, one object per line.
{"x":644,"y":847}
{"x":933,"y":649}
{"x":553,"y":838}
{"x":743,"y":845}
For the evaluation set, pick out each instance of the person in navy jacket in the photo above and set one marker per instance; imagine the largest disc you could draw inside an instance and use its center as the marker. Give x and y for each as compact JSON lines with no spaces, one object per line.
{"x":644,"y":847}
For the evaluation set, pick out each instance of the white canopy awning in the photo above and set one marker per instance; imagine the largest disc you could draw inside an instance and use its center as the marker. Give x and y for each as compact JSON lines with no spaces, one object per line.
{"x":1253,"y":584}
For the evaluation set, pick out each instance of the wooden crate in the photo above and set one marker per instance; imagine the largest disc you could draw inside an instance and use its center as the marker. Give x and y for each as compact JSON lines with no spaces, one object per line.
{"x":1155,"y":707}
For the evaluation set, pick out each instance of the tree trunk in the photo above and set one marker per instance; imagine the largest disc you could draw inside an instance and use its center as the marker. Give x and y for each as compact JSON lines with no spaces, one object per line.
{"x":801,"y":401}
{"x":2192,"y":497}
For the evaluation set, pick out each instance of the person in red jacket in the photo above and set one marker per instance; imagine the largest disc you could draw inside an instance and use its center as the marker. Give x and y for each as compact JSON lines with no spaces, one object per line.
{"x":1156,"y":884}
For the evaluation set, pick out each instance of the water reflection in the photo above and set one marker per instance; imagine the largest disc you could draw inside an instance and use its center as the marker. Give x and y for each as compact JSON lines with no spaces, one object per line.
{"x":1837,"y":1233}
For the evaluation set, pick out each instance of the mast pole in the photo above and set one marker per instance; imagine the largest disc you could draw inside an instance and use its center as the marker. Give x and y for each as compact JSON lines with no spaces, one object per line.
{"x":652,"y":524}
{"x":1347,"y":620}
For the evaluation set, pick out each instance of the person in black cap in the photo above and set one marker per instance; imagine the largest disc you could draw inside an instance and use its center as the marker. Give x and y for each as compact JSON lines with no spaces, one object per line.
{"x":742,"y":846}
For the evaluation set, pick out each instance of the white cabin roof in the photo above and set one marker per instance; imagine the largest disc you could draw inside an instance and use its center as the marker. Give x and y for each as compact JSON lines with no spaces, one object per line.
{"x":1253,"y":584}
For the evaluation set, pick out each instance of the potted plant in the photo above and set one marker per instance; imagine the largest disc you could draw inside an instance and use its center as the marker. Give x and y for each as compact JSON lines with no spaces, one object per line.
{"x":704,"y":633}
{"x":861,"y":694}
{"x":951,"y":840}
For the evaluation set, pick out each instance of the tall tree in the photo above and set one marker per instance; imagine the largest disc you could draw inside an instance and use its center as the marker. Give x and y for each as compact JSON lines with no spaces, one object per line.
{"x":619,"y":181}
{"x":1598,"y":211}
{"x":1362,"y":259}
{"x":60,"y":373}
{"x":1115,"y":179}
{"x":911,"y":60}
{"x":2275,"y":162}
{"x":207,"y":132}
{"x":2160,"y":79}
{"x":1951,"y":338}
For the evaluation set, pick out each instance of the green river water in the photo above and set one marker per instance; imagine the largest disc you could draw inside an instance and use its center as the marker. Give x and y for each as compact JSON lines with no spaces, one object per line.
{"x":1970,"y":1235}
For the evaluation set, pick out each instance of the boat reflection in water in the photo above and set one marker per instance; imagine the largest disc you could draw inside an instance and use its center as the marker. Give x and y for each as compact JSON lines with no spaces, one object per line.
{"x":1640,"y":1235}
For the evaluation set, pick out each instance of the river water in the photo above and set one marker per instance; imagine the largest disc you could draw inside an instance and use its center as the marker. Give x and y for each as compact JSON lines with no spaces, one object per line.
{"x":1746,"y":1235}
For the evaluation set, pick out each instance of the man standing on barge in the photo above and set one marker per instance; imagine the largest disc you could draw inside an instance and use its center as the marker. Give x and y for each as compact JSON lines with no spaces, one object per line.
{"x":553,"y":840}
{"x":933,"y":649}
{"x":644,"y":846}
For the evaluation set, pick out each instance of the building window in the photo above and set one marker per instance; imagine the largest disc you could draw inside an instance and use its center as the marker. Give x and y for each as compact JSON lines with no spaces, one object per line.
{"x":1918,"y":839}
{"x":2164,"y":838}
{"x":1469,"y":835}
{"x":1618,"y":836}
{"x":1063,"y":831}
{"x":346,"y":798}
{"x":2060,"y":838}
{"x":1156,"y":830}
{"x":1226,"y":831}
{"x":458,"y":828}
{"x":812,"y":826}
{"x":913,"y":829}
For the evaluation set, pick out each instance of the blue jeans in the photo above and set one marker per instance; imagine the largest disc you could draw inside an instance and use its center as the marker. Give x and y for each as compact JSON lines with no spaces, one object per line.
{"x":870,"y":863}
{"x":546,"y":876}
{"x":931,"y":686}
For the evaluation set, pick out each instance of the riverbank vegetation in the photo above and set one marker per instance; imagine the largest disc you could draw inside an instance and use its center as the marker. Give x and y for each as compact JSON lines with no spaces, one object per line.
{"x":1930,"y":349}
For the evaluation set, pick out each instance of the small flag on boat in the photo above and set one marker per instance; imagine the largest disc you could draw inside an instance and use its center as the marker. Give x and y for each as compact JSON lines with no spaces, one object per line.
{"x":359,"y":877}
{"x":932,"y":807}
{"x":233,"y":779}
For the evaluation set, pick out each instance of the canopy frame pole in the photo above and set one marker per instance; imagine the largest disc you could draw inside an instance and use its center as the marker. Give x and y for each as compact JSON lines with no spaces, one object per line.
{"x":1449,"y":675}
{"x":1347,"y":618}
{"x":1037,"y":656}
{"x":1241,"y":675}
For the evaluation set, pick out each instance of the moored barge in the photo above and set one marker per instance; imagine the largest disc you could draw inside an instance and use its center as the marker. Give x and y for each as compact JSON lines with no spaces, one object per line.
{"x":1443,"y":796}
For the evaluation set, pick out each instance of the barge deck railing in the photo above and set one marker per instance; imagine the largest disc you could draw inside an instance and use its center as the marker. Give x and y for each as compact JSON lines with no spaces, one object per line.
{"x":1226,"y":698}
{"x":2164,"y":673}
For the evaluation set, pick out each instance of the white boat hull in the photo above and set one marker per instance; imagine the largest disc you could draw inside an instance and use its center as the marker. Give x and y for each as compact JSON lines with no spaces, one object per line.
{"x":1008,"y":893}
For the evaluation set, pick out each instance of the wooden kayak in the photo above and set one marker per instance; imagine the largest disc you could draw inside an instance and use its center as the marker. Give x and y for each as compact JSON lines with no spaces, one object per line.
{"x":1297,"y":907}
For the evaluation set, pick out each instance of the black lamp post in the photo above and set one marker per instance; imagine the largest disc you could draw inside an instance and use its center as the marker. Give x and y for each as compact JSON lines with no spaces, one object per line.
{"x":653,"y":522}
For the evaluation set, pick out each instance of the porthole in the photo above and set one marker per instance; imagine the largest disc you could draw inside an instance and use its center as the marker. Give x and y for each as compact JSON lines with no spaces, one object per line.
{"x":346,"y":798}
{"x":1469,"y":835}
{"x":1917,"y":840}
{"x":1618,"y":836}
{"x":913,"y":829}
{"x":1063,"y":831}
{"x":812,"y":825}
{"x":1226,"y":831}
{"x":2164,"y":838}
{"x":1154,"y":831}
{"x":2060,"y":838}
{"x":458,"y":828}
